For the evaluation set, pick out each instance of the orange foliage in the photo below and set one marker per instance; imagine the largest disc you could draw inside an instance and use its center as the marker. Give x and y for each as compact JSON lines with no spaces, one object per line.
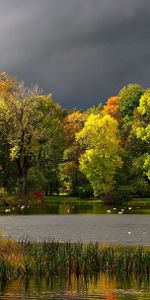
{"x":112,"y":108}
{"x":73,"y":123}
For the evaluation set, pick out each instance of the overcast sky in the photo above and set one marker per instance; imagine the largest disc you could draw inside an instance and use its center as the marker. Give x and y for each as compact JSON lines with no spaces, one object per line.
{"x":83,"y":51}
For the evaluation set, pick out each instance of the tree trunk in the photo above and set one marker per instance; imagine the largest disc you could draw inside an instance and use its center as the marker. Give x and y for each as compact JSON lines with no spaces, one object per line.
{"x":23,"y":171}
{"x":21,"y":187}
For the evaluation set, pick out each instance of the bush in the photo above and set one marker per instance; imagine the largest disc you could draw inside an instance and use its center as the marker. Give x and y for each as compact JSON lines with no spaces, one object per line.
{"x":85,"y":191}
{"x":122,"y":194}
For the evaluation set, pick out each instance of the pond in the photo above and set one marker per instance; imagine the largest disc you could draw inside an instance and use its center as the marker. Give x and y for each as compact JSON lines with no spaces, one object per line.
{"x":101,"y":287}
{"x":123,"y":229}
{"x":74,"y":222}
{"x":77,"y":220}
{"x":73,"y":207}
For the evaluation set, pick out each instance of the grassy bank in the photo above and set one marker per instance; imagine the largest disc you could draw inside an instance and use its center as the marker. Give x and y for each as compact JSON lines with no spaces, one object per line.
{"x":139,"y":202}
{"x":134,"y":202}
{"x":12,"y":201}
{"x":67,"y":199}
{"x":27,"y":259}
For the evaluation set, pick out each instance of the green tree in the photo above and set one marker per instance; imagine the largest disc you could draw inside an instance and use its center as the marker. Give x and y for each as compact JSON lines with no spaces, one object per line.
{"x":142,"y":128}
{"x":129,"y":180}
{"x":95,"y":109}
{"x":129,"y":97}
{"x":50,"y":165}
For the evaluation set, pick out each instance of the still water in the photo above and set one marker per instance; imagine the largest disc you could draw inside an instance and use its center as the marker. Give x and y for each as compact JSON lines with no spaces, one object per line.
{"x":67,"y":208}
{"x":122,"y":229}
{"x":77,"y":221}
{"x":102,"y":287}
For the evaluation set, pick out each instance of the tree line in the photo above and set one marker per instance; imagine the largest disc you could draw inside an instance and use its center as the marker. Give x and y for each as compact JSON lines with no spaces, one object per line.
{"x":102,"y":151}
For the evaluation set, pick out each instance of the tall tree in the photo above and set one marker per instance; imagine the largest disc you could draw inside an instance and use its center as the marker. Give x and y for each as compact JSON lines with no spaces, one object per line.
{"x":142,"y":128}
{"x":129,"y":179}
{"x":26,"y":117}
{"x":69,"y":170}
{"x":101,"y":158}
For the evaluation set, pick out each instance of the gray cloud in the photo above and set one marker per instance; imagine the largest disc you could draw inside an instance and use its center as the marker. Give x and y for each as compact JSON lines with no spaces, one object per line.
{"x":81,"y":50}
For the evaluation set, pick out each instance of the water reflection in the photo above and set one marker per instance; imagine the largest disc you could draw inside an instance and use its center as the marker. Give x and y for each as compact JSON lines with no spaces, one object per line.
{"x":99,"y":287}
{"x":74,"y":208}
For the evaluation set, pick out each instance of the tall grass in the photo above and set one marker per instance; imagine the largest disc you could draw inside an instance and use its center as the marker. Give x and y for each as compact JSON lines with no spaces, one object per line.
{"x":49,"y":258}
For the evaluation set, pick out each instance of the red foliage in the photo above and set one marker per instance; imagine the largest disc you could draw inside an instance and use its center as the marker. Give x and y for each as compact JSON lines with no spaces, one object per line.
{"x":39,"y":195}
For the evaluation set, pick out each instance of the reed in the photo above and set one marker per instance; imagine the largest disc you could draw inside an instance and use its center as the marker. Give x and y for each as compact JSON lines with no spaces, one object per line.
{"x":26,"y":258}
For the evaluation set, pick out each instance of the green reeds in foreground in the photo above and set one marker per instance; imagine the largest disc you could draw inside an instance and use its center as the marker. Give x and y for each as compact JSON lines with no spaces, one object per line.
{"x":49,"y":258}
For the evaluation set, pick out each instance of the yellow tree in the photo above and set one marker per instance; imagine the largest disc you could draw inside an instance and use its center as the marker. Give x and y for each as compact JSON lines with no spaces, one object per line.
{"x":101,"y":158}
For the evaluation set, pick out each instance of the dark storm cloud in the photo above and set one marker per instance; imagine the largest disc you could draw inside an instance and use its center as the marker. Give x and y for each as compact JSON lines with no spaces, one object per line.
{"x":81,"y":50}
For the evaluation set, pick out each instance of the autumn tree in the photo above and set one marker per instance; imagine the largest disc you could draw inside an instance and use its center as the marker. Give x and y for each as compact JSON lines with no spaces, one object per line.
{"x":101,"y":158}
{"x":70,"y":174}
{"x":112,"y":108}
{"x":26,"y":117}
{"x":8,"y":172}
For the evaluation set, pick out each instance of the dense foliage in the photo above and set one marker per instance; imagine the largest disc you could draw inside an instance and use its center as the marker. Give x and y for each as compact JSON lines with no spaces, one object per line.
{"x":103,"y":151}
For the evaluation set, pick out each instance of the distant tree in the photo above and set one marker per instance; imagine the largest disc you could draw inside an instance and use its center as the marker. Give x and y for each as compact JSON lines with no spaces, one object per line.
{"x":129,"y":97}
{"x":112,"y":108}
{"x":95,"y":109}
